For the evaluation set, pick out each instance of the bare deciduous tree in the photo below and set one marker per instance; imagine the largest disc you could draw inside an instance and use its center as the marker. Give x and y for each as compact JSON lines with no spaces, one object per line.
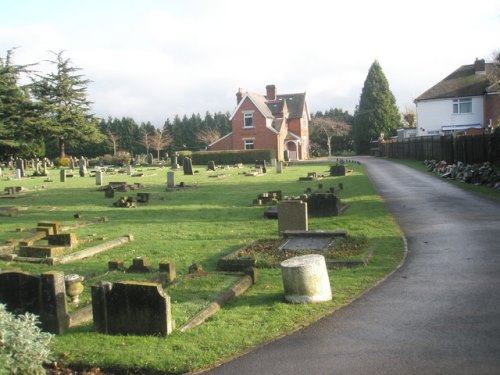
{"x":159,"y":140}
{"x":145,"y":140}
{"x":114,"y":138}
{"x":410,"y":116}
{"x":208,"y":136}
{"x":330,"y":128}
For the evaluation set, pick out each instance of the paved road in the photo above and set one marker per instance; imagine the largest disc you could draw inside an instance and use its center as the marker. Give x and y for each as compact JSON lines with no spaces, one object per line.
{"x":437,"y":314}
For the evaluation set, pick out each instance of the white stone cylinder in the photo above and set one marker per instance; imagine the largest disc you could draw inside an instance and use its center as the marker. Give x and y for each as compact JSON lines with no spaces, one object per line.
{"x":305,"y":279}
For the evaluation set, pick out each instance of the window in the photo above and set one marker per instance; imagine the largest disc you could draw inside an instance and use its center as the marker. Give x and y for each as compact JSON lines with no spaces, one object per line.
{"x":248,"y":119}
{"x":248,"y":144}
{"x":462,"y":105}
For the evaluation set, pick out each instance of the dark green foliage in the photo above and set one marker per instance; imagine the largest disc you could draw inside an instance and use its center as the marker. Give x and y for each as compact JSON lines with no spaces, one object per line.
{"x":377,"y":111}
{"x":63,"y":95}
{"x":19,"y":115}
{"x":232,"y":156}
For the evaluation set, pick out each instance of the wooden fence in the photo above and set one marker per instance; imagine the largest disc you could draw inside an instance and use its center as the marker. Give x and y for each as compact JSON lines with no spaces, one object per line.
{"x":470,"y":149}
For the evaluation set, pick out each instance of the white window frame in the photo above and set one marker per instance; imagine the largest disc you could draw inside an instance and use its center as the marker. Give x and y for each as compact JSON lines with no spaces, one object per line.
{"x":247,"y":142}
{"x":248,"y":116}
{"x":462,"y":106}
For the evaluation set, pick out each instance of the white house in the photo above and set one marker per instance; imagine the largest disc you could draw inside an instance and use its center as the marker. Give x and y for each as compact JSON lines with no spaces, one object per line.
{"x":466,"y":99}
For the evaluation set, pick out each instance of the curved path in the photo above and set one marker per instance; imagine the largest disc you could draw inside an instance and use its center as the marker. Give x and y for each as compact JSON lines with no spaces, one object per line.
{"x":437,"y":314}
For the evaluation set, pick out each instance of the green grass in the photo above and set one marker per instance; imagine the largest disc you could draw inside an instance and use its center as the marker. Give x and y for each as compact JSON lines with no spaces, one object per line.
{"x":482,"y":190}
{"x":200,"y":225}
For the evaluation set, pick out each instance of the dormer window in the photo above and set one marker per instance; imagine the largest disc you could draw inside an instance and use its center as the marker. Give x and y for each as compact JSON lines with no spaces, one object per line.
{"x":462,"y":105}
{"x":248,"y":119}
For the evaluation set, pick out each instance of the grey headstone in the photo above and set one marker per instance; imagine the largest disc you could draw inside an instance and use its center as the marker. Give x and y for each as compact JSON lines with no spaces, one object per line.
{"x":62,"y":175}
{"x":292,"y":215}
{"x":131,"y":308}
{"x":170,"y":179}
{"x":188,"y":166}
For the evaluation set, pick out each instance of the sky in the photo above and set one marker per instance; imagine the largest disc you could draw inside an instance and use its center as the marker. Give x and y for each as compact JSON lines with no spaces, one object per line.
{"x":154,"y":59}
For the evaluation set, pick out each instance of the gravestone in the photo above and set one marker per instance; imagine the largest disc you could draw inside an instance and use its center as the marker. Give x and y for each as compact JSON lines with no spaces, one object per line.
{"x":211,"y":165}
{"x":337,"y":170}
{"x":292,"y":215}
{"x":187,"y":166}
{"x":261,"y":164}
{"x":20,"y":166}
{"x":279,"y":167}
{"x":324,"y":204}
{"x":168,"y":268}
{"x":131,"y":308}
{"x":82,"y":167}
{"x":62,"y":175}
{"x":116,"y":265}
{"x":63,"y":239}
{"x":99,"y":178}
{"x":19,"y":173}
{"x":150,"y":158}
{"x":109,"y":192}
{"x":71,"y":163}
{"x":170,"y":179}
{"x":43,"y":295}
{"x":273,"y":162}
{"x":175,"y":163}
{"x":129,"y":169}
{"x":140,"y":265}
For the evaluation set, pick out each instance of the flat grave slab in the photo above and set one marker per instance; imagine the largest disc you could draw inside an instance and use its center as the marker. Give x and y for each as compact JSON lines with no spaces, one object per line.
{"x":307,"y":243}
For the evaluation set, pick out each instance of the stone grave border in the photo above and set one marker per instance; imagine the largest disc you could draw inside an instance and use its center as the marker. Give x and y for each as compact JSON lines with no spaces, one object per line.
{"x":233,"y":262}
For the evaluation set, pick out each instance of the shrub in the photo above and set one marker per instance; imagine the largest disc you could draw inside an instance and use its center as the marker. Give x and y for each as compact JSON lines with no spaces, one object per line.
{"x":24,"y":348}
{"x":61,"y":162}
{"x":232,"y":156}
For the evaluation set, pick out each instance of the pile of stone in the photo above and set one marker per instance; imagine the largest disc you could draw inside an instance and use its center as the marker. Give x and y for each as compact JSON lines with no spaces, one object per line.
{"x":477,"y":174}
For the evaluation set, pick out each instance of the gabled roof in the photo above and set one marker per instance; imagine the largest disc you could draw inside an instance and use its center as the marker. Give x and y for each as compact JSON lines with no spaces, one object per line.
{"x":259,"y":101}
{"x":295,"y":104}
{"x":462,"y":82}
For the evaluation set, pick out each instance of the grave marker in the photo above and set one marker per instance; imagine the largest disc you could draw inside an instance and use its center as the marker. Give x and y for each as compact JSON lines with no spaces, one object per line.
{"x":292,"y":215}
{"x":170,"y":179}
{"x":131,"y":308}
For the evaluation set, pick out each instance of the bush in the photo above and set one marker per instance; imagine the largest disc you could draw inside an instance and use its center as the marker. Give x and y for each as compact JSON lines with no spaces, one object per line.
{"x":61,"y":162}
{"x":24,"y":348}
{"x":232,"y":156}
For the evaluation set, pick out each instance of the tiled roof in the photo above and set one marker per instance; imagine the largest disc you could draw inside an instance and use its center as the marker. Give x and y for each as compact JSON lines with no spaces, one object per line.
{"x":260,"y":103}
{"x":462,"y":82}
{"x":294,"y":102}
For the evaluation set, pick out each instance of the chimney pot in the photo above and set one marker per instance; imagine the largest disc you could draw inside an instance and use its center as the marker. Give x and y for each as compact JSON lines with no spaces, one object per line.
{"x":479,"y":66}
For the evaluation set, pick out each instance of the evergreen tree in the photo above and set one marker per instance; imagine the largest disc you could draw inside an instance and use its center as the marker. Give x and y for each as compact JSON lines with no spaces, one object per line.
{"x":19,"y":115}
{"x":377,"y":111}
{"x":63,"y":94}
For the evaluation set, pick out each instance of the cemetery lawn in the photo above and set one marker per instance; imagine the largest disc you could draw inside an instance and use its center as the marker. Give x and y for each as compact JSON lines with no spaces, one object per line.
{"x":198,"y":225}
{"x":482,"y":190}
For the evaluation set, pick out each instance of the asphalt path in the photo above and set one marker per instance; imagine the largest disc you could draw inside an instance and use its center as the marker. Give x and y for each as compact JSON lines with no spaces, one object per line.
{"x":439,"y":313}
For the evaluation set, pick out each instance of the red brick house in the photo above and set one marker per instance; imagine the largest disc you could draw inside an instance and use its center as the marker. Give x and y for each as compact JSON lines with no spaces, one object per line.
{"x":271,"y":121}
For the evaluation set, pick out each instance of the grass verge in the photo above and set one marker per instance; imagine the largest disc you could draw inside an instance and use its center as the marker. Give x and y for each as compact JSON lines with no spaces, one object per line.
{"x":212,"y":219}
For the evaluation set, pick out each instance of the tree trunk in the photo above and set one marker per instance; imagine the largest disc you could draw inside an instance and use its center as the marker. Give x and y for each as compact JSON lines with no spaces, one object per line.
{"x":62,"y":154}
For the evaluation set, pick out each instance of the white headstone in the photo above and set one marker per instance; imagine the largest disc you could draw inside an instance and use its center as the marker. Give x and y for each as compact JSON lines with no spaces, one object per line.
{"x":18,"y":173}
{"x":279,"y":167}
{"x":170,"y":179}
{"x":99,"y":178}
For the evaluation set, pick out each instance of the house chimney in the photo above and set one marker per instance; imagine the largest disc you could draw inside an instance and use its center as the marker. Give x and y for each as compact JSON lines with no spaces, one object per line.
{"x":271,"y":92}
{"x":479,"y":66}
{"x":239,"y":95}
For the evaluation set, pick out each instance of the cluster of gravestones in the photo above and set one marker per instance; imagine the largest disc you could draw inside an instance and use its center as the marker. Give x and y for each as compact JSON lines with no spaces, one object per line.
{"x":478,"y":174}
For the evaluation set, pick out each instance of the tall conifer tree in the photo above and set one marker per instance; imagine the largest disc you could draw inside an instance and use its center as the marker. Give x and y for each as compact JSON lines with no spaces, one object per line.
{"x":377,"y":111}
